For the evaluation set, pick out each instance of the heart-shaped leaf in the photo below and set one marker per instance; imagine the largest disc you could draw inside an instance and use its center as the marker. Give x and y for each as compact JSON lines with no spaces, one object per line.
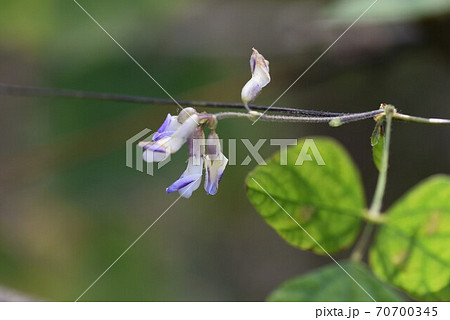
{"x":412,"y":248}
{"x":323,"y":194}
{"x":332,"y":284}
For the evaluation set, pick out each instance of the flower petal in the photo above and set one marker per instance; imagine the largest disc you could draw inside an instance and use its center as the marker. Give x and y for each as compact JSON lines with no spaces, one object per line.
{"x":152,"y":156}
{"x":187,"y":191}
{"x":250,"y":91}
{"x":168,"y":145}
{"x":185,"y":185}
{"x":170,"y":124}
{"x":165,"y":124}
{"x":181,"y":183}
{"x":159,"y":135}
{"x":252,"y":62}
{"x":214,"y":172}
{"x":188,"y":127}
{"x":190,"y":179}
{"x":168,"y":128}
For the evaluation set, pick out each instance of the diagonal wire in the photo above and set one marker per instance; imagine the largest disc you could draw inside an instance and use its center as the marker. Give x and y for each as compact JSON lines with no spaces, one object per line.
{"x":128,"y":54}
{"x":315,"y":61}
{"x":318,"y":244}
{"x":134,"y":242}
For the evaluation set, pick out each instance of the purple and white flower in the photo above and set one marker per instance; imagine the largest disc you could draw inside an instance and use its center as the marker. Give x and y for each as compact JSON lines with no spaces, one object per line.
{"x":170,"y":137}
{"x":188,"y":127}
{"x":168,"y":128}
{"x":215,"y":163}
{"x":190,"y":180}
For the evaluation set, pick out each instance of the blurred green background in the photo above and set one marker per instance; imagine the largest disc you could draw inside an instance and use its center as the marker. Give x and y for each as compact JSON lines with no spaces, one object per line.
{"x":68,"y":204}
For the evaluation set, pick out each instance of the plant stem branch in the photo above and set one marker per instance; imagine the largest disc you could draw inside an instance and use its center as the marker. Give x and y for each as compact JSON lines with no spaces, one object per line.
{"x":281,"y":118}
{"x":64,"y":93}
{"x":377,"y":201}
{"x":335,"y":119}
{"x":360,"y":247}
{"x":405,"y":117}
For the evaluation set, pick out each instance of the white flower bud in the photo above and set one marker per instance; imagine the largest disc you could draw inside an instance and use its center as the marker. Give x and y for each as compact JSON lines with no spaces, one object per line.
{"x":260,"y":78}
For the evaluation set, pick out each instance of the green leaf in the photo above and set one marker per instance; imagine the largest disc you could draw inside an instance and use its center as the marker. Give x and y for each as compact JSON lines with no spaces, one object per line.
{"x":327,"y":200}
{"x":377,"y":152}
{"x":332,"y":284}
{"x":412,"y":248}
{"x":441,"y":295}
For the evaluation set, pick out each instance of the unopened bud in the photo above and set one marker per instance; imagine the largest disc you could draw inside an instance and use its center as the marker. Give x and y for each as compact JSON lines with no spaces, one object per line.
{"x":260,"y":77}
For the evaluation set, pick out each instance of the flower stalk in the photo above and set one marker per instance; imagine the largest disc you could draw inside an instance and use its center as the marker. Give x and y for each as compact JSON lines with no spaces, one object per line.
{"x":333,"y":121}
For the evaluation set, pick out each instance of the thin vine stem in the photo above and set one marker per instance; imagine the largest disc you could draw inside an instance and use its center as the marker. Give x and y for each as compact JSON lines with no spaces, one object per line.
{"x":374,"y":213}
{"x":405,"y":117}
{"x":359,"y":249}
{"x":277,"y":114}
{"x":14,"y":90}
{"x":375,"y":207}
{"x":281,"y":118}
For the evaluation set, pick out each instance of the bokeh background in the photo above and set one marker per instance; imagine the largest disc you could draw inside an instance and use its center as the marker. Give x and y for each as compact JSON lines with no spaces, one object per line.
{"x":68,"y":204}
